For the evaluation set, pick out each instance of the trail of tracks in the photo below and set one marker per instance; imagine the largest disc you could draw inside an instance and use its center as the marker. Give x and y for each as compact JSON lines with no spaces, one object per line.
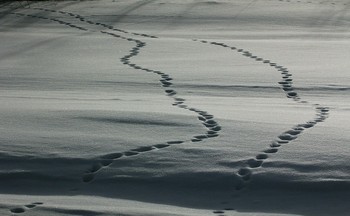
{"x":286,"y":137}
{"x":166,"y":81}
{"x":313,"y":2}
{"x":212,"y":127}
{"x":286,"y":83}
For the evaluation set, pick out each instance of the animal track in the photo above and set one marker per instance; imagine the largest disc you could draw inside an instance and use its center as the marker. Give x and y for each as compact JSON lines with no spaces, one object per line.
{"x":81,"y":18}
{"x":165,"y":80}
{"x":207,"y":120}
{"x":17,"y":210}
{"x":52,"y":19}
{"x":313,"y":2}
{"x":222,"y":211}
{"x":286,"y":137}
{"x":24,"y":208}
{"x":108,"y":159}
{"x":254,"y":163}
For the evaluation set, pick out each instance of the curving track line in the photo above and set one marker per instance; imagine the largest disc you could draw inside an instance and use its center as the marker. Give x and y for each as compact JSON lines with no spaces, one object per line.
{"x":285,"y":137}
{"x":104,"y":161}
{"x":245,"y":173}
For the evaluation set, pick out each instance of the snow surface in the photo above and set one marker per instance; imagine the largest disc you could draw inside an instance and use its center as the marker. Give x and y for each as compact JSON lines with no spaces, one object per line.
{"x":164,"y":107}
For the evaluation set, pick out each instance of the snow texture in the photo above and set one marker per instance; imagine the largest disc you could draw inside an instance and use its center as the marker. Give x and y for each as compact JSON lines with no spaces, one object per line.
{"x":175,"y":108}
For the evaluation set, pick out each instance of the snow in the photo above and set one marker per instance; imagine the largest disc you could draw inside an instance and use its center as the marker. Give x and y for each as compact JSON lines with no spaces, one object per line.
{"x":175,"y":108}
